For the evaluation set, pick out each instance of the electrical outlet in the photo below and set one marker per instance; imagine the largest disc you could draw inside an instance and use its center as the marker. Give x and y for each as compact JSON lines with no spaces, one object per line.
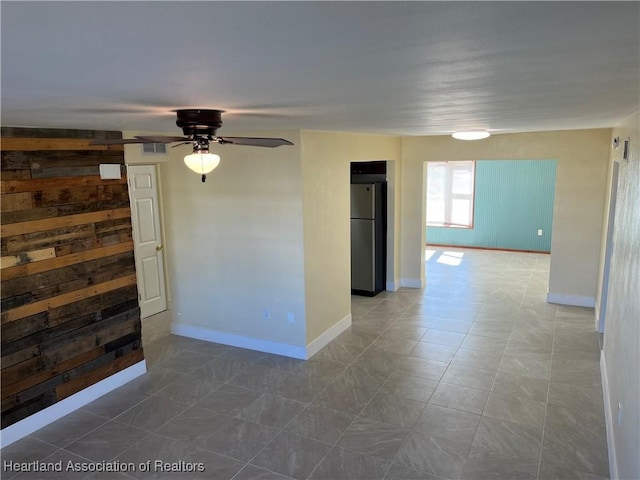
{"x":290,"y":317}
{"x":539,"y":232}
{"x":266,"y":314}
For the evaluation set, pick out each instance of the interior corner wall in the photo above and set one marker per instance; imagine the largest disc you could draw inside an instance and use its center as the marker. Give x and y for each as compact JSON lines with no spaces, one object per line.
{"x":70,"y":316}
{"x":326,"y":158}
{"x":582,"y":157}
{"x":621,"y":349}
{"x":234,"y":244}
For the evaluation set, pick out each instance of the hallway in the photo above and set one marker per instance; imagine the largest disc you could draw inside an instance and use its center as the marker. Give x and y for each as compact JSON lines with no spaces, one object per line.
{"x":473,"y":377}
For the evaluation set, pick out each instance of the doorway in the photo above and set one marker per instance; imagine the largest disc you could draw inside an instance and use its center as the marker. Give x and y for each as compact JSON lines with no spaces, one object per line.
{"x":147,"y":238}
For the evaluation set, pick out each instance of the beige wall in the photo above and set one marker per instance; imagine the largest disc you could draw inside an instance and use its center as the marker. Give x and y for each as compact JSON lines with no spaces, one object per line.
{"x":621,"y":351}
{"x":234,"y":244}
{"x":579,"y":200}
{"x":326,"y":157}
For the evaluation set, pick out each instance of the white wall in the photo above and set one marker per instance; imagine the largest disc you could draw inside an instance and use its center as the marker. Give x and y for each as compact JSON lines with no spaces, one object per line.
{"x":621,"y":351}
{"x":326,"y":158}
{"x":234,"y":244}
{"x":579,"y":199}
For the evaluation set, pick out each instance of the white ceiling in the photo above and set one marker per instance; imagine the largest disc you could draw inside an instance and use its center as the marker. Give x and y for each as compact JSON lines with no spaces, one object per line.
{"x":413,"y":68}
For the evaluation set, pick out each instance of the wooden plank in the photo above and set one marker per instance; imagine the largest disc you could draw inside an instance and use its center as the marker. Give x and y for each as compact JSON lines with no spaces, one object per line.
{"x":31,"y":132}
{"x":20,"y":356}
{"x":26,"y":257}
{"x":56,"y":370}
{"x":48,"y":238}
{"x":16,"y":174}
{"x":70,"y":297}
{"x":71,"y":259}
{"x":64,"y":171}
{"x":16,"y":201}
{"x":30,"y":144}
{"x":14,"y":160}
{"x":62,"y":196}
{"x":24,"y":327}
{"x":61,"y":222}
{"x":53,"y":159}
{"x":29,"y":215}
{"x":32,"y":185}
{"x":82,"y":382}
{"x":113,"y":192}
{"x":23,"y":410}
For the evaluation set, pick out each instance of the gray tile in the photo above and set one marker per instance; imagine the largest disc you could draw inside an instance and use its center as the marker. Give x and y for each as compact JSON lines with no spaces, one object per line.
{"x":342,"y":352}
{"x":488,"y":465}
{"x":404,"y":332}
{"x":575,"y":440}
{"x":261,"y":379}
{"x":500,"y":330}
{"x":189,"y":389}
{"x":195,"y":425}
{"x":214,"y":465}
{"x":279,"y":362}
{"x":408,"y":386}
{"x":221,"y":369}
{"x":320,"y":423}
{"x":431,"y":351}
{"x":507,"y":439}
{"x":469,"y":377}
{"x":393,"y":409}
{"x":377,"y":439}
{"x":576,"y":367}
{"x":452,"y":325}
{"x":467,"y":399}
{"x":477,"y":359}
{"x":429,"y":454}
{"x":361,"y":378}
{"x":292,"y":455}
{"x":527,"y":365}
{"x":114,"y":403}
{"x":185,"y":362}
{"x":349,"y":400}
{"x":69,"y":428}
{"x":341,"y":464}
{"x":298,"y":386}
{"x":240,"y":439}
{"x":485,"y":344}
{"x":516,"y":410}
{"x":251,"y":472}
{"x":24,"y":450}
{"x":229,"y":399}
{"x":420,"y":367}
{"x":154,"y":448}
{"x":556,"y":472}
{"x":400,"y":472}
{"x":520,"y":347}
{"x":398,"y":346}
{"x":441,"y":337}
{"x":154,"y":380}
{"x":242,"y":355}
{"x":454,"y":425}
{"x":152,"y":413}
{"x":518,"y":386}
{"x":61,"y":471}
{"x":577,"y":397}
{"x":382,"y":362}
{"x":107,"y":441}
{"x":271,"y":410}
{"x":321,"y":369}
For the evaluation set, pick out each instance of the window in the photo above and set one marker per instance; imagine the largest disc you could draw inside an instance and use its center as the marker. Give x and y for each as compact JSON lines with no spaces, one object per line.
{"x":450,"y":194}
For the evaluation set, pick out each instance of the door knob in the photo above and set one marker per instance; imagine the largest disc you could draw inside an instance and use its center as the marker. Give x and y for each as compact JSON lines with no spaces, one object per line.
{"x":159,"y":248}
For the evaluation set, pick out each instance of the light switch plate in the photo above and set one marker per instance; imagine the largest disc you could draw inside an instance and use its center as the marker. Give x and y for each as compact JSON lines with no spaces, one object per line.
{"x":110,"y":171}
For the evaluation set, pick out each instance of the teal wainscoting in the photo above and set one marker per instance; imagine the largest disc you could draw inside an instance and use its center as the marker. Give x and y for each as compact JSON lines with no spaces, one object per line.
{"x":513,"y":199}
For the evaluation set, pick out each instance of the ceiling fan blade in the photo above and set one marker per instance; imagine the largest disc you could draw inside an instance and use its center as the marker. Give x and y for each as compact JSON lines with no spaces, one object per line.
{"x":161,"y":139}
{"x":254,"y":141}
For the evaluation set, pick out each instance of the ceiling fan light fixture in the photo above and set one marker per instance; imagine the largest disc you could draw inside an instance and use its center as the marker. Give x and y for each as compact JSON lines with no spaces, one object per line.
{"x":471,"y":135}
{"x":202,"y":162}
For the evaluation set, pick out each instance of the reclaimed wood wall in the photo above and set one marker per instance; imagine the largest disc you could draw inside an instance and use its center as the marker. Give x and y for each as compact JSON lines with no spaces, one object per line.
{"x":70,"y":315}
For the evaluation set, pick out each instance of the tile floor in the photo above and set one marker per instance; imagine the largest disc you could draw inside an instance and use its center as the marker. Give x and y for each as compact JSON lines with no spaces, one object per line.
{"x":474,"y":377}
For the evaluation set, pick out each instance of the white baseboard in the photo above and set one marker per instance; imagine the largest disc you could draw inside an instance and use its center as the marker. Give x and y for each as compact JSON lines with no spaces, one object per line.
{"x":323,"y":339}
{"x":411,"y":283}
{"x":608,"y":417}
{"x":259,"y":344}
{"x":67,"y":405}
{"x":391,"y":287}
{"x":573,"y":300}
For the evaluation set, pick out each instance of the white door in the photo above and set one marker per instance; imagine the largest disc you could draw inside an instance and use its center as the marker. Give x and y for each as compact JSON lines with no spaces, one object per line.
{"x":147,"y":238}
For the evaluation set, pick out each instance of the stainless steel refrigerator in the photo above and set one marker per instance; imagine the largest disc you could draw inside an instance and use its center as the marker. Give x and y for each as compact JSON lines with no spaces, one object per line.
{"x":368,"y":238}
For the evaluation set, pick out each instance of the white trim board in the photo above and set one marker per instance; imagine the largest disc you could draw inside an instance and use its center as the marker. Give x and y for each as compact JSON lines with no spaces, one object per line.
{"x":573,"y":300}
{"x":608,"y":418}
{"x":325,"y":338}
{"x":40,"y":419}
{"x":262,"y":345}
{"x":411,"y":283}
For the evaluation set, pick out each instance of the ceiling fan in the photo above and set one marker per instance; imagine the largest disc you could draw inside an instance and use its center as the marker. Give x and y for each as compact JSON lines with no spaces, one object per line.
{"x":199,"y":127}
